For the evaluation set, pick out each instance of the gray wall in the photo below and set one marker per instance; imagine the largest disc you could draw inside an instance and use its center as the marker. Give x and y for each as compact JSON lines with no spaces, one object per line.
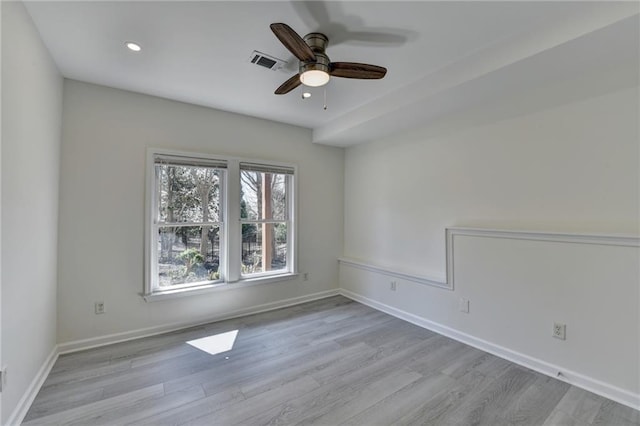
{"x":572,"y":169}
{"x":102,"y":187}
{"x":31,"y":126}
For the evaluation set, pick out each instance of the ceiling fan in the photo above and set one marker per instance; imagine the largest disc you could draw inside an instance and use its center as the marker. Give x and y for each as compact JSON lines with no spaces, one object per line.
{"x":315,"y":68}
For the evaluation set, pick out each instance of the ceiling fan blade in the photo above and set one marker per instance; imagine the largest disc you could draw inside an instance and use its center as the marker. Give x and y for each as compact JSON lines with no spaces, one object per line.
{"x":288,"y":85}
{"x":355,"y":70}
{"x":293,"y":42}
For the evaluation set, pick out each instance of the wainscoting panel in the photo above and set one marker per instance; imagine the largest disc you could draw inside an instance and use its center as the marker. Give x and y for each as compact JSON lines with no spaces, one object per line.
{"x":515,"y":286}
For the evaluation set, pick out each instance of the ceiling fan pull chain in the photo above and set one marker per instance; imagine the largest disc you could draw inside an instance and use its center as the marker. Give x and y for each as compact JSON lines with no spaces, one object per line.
{"x":325,"y":98}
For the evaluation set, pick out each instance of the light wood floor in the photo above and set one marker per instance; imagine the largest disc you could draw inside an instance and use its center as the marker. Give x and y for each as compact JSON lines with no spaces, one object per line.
{"x":327,"y":362}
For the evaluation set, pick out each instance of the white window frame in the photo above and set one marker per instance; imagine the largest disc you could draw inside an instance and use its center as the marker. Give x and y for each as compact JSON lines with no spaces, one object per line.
{"x":289,"y":182}
{"x":231,"y":231}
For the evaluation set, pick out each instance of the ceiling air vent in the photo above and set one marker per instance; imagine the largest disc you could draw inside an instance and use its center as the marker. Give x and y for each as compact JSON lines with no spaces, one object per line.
{"x":266,"y":61}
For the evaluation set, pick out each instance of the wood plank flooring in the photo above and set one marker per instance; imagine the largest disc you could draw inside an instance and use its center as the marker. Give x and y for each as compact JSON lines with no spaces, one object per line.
{"x":328,"y":362}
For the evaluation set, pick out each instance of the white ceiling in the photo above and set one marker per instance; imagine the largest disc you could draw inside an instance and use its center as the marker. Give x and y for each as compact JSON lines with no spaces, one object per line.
{"x":441,"y":56}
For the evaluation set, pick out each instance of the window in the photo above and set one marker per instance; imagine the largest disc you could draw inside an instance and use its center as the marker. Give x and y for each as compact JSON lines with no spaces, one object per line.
{"x":216,"y":221}
{"x":265,"y":218}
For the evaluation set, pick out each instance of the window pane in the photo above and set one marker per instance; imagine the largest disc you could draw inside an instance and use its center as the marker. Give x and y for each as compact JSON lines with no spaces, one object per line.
{"x":263,"y":195}
{"x":264,"y":247}
{"x":188,"y":193}
{"x":188,"y":254}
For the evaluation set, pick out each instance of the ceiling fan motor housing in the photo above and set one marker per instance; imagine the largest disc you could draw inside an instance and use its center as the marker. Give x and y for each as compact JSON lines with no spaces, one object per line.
{"x":321,"y":64}
{"x":318,"y":43}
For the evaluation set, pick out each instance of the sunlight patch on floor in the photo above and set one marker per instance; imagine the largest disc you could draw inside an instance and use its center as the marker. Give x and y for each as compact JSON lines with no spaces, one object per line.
{"x":216,"y":343}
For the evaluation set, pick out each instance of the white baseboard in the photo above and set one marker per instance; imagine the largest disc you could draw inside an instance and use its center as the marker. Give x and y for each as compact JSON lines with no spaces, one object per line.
{"x":587,"y":383}
{"x":25,"y":402}
{"x":80,"y":345}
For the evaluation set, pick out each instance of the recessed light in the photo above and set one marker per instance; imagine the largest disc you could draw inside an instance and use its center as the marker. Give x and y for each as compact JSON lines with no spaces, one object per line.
{"x":306,"y":95}
{"x":135,"y":47}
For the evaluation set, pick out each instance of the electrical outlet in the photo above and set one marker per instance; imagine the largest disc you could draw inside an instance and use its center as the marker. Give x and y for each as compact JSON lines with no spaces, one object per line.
{"x":392,"y":286}
{"x":559,"y":331}
{"x":99,"y":308}
{"x":305,"y":276}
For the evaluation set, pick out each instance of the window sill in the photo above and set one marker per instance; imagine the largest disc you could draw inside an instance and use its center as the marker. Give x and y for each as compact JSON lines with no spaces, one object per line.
{"x":194,"y":291}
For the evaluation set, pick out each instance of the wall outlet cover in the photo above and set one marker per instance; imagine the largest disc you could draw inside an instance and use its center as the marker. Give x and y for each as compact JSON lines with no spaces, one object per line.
{"x":559,"y":331}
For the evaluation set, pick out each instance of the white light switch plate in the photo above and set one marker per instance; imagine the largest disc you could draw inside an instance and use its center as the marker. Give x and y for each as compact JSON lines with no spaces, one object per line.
{"x":463,"y":305}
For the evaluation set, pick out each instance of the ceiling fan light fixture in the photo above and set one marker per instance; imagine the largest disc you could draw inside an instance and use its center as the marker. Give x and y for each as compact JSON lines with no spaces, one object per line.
{"x":314,"y":78}
{"x":315,"y":74}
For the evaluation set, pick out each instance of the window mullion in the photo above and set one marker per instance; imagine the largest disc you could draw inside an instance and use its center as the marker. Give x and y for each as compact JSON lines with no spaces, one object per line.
{"x":232,"y":222}
{"x":291,"y":227}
